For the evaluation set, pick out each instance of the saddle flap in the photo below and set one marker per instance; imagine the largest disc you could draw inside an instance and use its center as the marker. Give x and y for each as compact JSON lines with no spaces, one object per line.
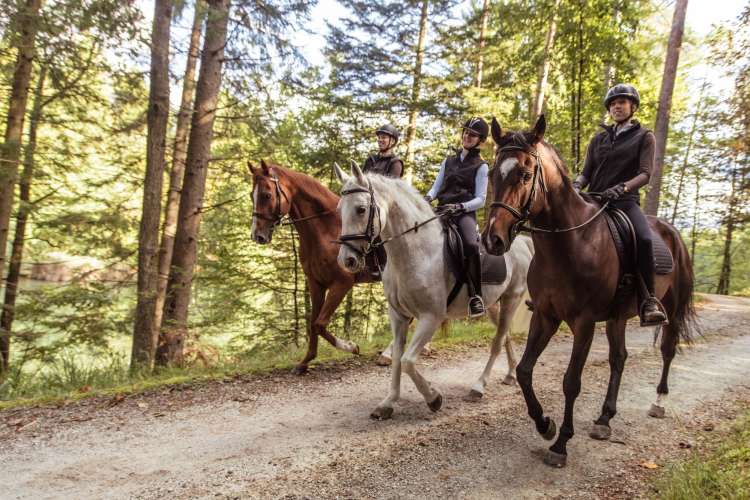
{"x":453,"y":249}
{"x":494,"y":270}
{"x":623,"y":236}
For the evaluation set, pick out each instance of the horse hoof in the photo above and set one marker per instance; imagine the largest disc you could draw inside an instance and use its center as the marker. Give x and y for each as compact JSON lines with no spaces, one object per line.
{"x":355,"y":349}
{"x":509,"y":380}
{"x":554,"y":459}
{"x":381,"y":413}
{"x":383,"y":361}
{"x":473,"y":396}
{"x":600,"y":432}
{"x":657,"y":411}
{"x":436,"y":403}
{"x":299,"y":370}
{"x":551,"y":431}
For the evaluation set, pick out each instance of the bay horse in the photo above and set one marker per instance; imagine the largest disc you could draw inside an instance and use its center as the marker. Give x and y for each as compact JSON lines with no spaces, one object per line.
{"x":279,"y":192}
{"x":417,"y":280}
{"x":574,"y":276}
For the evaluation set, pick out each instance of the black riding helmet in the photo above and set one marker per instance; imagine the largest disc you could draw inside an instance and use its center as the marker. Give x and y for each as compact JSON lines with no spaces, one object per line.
{"x":478,"y":126}
{"x":389,"y":130}
{"x":622,"y":90}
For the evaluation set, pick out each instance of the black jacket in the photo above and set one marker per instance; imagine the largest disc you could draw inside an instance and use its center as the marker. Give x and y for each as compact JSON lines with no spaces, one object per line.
{"x":390,"y":165}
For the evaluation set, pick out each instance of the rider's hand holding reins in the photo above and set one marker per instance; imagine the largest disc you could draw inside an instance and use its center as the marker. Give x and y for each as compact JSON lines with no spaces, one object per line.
{"x":614,"y":193}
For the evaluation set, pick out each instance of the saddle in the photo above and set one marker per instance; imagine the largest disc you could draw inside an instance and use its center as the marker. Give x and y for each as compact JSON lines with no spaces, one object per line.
{"x":623,"y":235}
{"x":494,"y":271}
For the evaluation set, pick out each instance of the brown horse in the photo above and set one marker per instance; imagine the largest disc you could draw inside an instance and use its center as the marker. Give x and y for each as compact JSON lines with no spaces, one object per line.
{"x":574,"y":276}
{"x":279,"y":192}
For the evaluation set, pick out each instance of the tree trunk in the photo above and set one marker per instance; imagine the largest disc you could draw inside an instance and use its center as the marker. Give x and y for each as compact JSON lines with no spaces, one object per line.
{"x":665,"y":103}
{"x":156,"y":145}
{"x":174,"y":330}
{"x":482,"y":42}
{"x":726,"y":262}
{"x":579,"y":91}
{"x":16,"y":256}
{"x":694,"y":229}
{"x":411,"y":129}
{"x":348,"y":313}
{"x":541,"y":84}
{"x":683,"y":169}
{"x":11,"y":147}
{"x":179,"y":154}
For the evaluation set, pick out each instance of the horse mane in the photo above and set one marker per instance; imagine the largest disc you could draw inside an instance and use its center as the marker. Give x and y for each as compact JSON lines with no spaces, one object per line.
{"x":309,"y":184}
{"x":525,"y":141}
{"x":403,"y":189}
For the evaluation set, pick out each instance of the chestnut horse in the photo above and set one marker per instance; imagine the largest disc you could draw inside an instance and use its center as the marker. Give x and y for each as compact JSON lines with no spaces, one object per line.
{"x":279,"y":192}
{"x":574,"y":276}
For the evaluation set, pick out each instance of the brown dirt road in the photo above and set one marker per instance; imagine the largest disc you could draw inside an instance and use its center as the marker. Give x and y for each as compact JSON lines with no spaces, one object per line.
{"x":281,"y":436}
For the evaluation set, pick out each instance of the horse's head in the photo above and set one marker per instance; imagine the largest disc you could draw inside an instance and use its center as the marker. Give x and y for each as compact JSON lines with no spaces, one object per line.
{"x":517,"y":178}
{"x":361,"y":220}
{"x":270,"y":202}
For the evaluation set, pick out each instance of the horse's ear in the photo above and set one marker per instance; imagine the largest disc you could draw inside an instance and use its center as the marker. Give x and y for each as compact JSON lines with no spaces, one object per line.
{"x":342,"y":176}
{"x":253,"y":169}
{"x":497,"y":131}
{"x":264,"y":166}
{"x":358,"y":175}
{"x":539,"y":128}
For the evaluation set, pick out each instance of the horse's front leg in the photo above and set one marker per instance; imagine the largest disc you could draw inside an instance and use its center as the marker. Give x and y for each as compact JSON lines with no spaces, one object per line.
{"x":426,"y":327}
{"x":541,"y":330}
{"x":617,"y":356}
{"x":583,"y":334}
{"x":336,"y":294}
{"x":317,"y":296}
{"x":399,"y":326}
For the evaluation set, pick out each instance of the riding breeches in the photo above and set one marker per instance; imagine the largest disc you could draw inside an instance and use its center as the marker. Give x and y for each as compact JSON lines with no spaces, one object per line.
{"x":643,"y":237}
{"x":467,"y":226}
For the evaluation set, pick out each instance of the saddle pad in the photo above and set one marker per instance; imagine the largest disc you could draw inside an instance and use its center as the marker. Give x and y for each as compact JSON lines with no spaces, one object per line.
{"x":493,"y":268}
{"x":623,"y":236}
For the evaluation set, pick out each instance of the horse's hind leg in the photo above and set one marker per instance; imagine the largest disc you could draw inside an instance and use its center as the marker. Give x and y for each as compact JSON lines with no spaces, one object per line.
{"x":502,"y":319}
{"x":669,"y":340}
{"x":583,"y":334}
{"x":335,"y":295}
{"x":617,"y":356}
{"x":399,"y":325}
{"x":426,"y":327}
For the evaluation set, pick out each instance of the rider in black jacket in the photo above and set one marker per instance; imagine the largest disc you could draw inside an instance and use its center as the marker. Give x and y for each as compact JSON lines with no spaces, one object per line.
{"x":619,"y":161}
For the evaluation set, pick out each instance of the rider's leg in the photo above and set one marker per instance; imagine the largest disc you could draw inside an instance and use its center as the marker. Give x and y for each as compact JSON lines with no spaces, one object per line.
{"x":467,"y":225}
{"x":651,"y":311}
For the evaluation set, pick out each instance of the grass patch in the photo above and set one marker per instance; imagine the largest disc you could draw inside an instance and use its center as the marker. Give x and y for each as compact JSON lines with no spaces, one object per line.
{"x":723,"y":473}
{"x":68,"y":379}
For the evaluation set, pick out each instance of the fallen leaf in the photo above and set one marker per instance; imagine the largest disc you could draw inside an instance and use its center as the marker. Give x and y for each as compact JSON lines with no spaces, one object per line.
{"x":84,"y":389}
{"x":649,"y":465}
{"x":116,"y":399}
{"x":26,"y":425}
{"x":142,"y":405}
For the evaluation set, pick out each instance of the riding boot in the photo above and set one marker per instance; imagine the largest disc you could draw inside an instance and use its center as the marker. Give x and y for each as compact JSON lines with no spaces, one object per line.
{"x":474,"y":285}
{"x":651,"y":310}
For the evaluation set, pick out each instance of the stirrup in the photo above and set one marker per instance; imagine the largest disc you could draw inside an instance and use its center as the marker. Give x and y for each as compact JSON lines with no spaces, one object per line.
{"x":659,"y":306}
{"x":481,"y":303}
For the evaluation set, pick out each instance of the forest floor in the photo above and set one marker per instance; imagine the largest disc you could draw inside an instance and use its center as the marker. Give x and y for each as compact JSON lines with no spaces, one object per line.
{"x":277,"y":435}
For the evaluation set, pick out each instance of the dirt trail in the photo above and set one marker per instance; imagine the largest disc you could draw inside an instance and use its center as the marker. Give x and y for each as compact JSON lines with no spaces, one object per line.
{"x":311,"y":437}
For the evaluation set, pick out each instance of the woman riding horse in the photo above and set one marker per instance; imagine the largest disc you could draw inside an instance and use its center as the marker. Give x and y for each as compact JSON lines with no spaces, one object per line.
{"x":619,"y":161}
{"x":460,"y":188}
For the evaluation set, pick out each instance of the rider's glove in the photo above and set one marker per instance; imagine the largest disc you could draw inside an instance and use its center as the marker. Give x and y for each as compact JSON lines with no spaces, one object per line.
{"x":614,"y":193}
{"x":454,"y":208}
{"x":577,"y":186}
{"x":428,"y":198}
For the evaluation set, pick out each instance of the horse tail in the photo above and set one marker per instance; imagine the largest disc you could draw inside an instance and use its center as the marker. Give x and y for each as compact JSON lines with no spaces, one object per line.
{"x":684,"y":320}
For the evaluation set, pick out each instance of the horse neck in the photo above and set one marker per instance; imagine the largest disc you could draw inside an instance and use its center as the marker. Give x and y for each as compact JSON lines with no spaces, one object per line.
{"x":308,"y":198}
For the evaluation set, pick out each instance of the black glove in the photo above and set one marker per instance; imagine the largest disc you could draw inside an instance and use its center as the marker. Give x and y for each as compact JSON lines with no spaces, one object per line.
{"x":614,"y":193}
{"x":428,"y":198}
{"x":452,"y":208}
{"x":577,"y":186}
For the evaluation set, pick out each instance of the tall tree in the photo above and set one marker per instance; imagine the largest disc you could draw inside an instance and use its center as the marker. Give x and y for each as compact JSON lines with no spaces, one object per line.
{"x":179,"y":154}
{"x":416,"y":87}
{"x":549,"y":42}
{"x":661,"y":129}
{"x":482,"y":42}
{"x":174,"y":329}
{"x":148,"y":237}
{"x":16,"y":256}
{"x":24,"y":29}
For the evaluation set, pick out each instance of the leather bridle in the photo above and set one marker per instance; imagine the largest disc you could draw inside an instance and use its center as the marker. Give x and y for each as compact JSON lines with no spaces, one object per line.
{"x":277,"y":217}
{"x":368,"y":236}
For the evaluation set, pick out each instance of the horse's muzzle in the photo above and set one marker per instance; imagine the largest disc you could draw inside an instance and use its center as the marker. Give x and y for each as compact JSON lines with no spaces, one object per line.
{"x":495,"y":244}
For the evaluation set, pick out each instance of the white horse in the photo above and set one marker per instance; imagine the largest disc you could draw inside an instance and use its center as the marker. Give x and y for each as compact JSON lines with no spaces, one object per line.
{"x":416,"y":279}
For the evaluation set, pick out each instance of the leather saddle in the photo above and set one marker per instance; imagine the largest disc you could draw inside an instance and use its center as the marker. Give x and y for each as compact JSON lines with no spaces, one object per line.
{"x":623,"y":235}
{"x":493,"y":266}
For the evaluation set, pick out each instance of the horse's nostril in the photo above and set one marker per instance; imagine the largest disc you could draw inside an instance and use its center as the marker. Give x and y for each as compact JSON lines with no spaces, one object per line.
{"x":497,"y":243}
{"x":260,"y":239}
{"x":351,"y":262}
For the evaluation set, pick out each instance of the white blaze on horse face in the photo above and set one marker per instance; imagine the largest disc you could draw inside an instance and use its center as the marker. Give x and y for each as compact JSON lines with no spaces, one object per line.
{"x":506,"y":166}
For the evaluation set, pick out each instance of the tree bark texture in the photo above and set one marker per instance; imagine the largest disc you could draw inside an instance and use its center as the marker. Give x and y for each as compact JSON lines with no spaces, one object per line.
{"x":156,"y":145}
{"x":482,"y":42}
{"x":661,"y":128}
{"x":541,"y":84}
{"x":722,"y":287}
{"x":179,"y":153}
{"x":10,"y":151}
{"x":174,"y":329}
{"x":411,"y":129}
{"x":16,"y":256}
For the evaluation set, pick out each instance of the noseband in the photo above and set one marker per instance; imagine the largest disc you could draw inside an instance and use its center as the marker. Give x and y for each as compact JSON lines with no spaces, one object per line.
{"x":523,"y":214}
{"x":369,"y":235}
{"x":278,"y":216}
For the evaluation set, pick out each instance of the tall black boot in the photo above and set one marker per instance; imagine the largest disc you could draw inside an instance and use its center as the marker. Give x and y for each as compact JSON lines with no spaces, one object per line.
{"x":474,"y":285}
{"x":651,"y":311}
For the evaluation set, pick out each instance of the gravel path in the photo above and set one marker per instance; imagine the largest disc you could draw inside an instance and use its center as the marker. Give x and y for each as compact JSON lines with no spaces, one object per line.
{"x":282,"y":436}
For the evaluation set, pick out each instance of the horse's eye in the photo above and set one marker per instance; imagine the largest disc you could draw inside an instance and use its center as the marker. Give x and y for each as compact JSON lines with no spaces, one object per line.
{"x":526,"y":177}
{"x":266,"y":196}
{"x":361,"y":210}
